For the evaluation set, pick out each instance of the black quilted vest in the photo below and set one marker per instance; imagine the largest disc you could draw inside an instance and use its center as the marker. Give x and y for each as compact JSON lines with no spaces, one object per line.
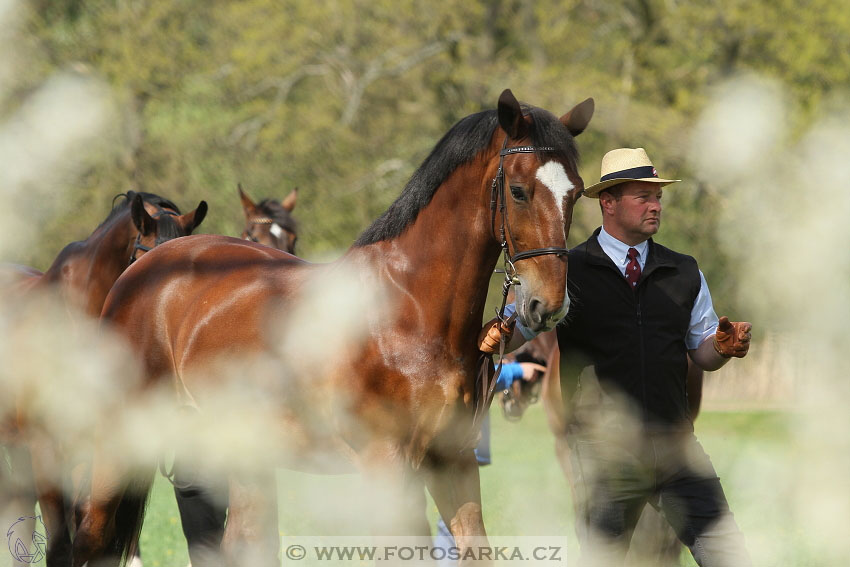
{"x":632,"y":339}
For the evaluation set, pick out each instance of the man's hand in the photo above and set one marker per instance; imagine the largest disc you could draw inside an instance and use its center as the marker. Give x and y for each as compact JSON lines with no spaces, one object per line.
{"x":493,"y":331}
{"x":531,"y":370}
{"x":732,"y":338}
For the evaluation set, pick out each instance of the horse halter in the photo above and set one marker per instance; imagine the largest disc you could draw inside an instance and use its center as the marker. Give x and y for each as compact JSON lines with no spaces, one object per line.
{"x":138,"y":244}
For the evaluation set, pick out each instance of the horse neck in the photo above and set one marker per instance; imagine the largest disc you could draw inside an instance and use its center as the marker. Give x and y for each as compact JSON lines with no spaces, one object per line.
{"x":94,"y":264}
{"x":444,"y":260}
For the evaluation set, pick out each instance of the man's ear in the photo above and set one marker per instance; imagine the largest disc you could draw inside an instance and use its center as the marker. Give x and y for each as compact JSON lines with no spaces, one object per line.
{"x":606,"y":201}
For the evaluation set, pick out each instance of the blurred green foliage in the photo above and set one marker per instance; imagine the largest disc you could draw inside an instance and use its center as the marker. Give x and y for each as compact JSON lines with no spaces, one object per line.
{"x":345,"y":98}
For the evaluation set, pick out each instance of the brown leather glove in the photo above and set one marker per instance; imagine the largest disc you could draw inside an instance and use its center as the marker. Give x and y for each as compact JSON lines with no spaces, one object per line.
{"x":732,"y":338}
{"x":492,"y":332}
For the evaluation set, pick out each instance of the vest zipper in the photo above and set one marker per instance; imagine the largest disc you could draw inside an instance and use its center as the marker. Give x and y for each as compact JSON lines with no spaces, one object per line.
{"x":642,"y":349}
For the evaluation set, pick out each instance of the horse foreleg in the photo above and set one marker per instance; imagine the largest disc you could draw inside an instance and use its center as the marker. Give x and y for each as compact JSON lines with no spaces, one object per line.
{"x":456,"y":489}
{"x":95,"y":530}
{"x":251,"y":535}
{"x":17,"y":493}
{"x":396,"y":489}
{"x":48,"y":475}
{"x":397,"y":511}
{"x":112,"y":515}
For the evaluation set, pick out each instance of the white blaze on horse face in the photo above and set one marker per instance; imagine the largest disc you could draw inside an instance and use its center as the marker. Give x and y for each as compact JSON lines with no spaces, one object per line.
{"x":553,"y":175}
{"x":276,"y":230}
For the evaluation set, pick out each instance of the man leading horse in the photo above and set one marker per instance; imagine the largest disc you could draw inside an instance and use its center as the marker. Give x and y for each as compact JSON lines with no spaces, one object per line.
{"x":638,"y":311}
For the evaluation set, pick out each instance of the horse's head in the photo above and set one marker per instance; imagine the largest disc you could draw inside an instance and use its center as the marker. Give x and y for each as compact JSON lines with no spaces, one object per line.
{"x":536,"y":191}
{"x":158,"y":221}
{"x":270,"y":222}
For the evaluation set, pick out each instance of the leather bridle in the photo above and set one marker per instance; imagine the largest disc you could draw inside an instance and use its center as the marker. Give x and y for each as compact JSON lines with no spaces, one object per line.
{"x":497,"y":201}
{"x":138,"y":244}
{"x":485,"y":386}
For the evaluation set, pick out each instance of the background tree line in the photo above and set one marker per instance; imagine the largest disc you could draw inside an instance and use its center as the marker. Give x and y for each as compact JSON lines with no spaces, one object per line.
{"x":344,"y":99}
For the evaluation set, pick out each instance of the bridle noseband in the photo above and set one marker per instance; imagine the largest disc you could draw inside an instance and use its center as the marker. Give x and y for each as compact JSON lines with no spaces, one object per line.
{"x":138,"y":244}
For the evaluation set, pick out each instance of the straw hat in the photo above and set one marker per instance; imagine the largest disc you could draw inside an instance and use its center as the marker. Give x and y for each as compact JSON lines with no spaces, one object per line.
{"x":625,"y":164}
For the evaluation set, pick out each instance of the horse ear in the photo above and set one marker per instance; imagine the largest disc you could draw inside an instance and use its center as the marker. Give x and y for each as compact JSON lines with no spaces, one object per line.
{"x":144,"y":223}
{"x":247,"y":204}
{"x":289,"y":202}
{"x":191,"y":221}
{"x":577,"y":119}
{"x":510,"y":115}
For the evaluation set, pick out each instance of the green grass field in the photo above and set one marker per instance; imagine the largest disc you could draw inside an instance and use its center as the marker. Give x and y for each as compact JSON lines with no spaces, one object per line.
{"x":525,"y":493}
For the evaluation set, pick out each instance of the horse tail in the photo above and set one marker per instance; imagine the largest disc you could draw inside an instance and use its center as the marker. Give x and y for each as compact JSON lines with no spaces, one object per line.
{"x":130,"y":516}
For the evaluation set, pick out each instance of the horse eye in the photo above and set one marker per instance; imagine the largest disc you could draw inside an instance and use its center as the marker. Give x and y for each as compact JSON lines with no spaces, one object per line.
{"x":517,"y":193}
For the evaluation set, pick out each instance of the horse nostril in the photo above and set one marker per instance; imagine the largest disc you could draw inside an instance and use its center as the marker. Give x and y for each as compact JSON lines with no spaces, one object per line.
{"x":536,"y":311}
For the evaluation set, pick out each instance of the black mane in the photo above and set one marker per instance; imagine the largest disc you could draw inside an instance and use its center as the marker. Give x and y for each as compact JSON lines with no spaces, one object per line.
{"x":461,"y":144}
{"x":280,"y":216}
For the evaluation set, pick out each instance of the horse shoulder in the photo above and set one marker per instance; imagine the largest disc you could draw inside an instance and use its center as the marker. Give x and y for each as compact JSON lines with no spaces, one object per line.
{"x":66,"y":265}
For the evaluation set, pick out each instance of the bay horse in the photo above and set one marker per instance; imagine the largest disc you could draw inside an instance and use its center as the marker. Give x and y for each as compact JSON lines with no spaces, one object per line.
{"x":397,"y":401}
{"x":82,"y":275}
{"x":270,"y":222}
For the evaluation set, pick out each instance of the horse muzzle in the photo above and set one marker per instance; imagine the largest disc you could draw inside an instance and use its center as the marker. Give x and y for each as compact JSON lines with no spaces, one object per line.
{"x":539,"y":316}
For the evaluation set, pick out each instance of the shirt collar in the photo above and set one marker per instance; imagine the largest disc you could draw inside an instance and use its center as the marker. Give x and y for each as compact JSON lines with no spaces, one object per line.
{"x":618,"y":250}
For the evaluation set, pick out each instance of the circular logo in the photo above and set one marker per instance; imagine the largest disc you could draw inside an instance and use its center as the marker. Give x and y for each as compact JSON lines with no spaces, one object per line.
{"x":296,"y":552}
{"x":28,"y":539}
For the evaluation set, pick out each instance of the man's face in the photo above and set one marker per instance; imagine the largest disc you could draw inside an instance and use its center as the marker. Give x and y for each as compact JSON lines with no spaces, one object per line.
{"x":636,"y":214}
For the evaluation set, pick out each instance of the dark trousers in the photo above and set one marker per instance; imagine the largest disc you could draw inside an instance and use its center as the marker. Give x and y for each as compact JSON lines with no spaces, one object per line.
{"x":202,"y":503}
{"x":614,"y":478}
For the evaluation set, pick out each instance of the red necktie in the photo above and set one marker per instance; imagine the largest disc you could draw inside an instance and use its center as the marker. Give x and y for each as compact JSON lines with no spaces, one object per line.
{"x":633,"y":268}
